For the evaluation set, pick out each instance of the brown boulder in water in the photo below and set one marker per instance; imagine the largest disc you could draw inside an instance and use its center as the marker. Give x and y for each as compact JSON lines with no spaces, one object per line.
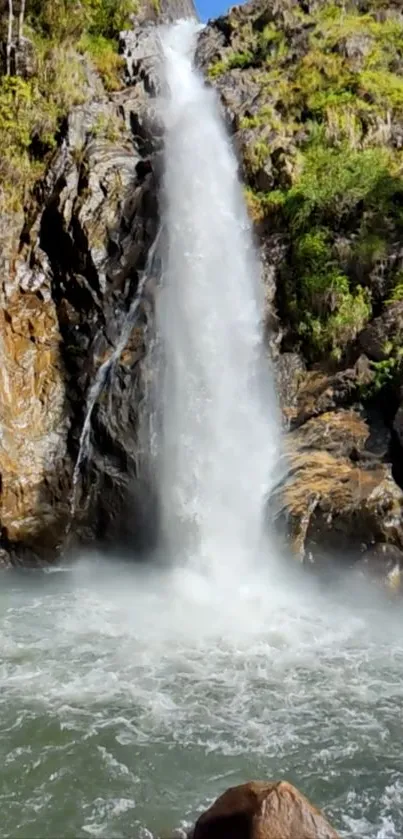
{"x":263,"y":810}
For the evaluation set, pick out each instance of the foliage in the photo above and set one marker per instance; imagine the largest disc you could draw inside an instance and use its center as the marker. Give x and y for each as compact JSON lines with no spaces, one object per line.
{"x":256,"y":155}
{"x":331,"y":182}
{"x":32,"y":111}
{"x":30,"y":114}
{"x":108,"y":127}
{"x":68,"y":19}
{"x":397,"y":291}
{"x":338,"y":178}
{"x":386,"y":373}
{"x":233,"y":61}
{"x":105,"y":58}
{"x":330,"y":314}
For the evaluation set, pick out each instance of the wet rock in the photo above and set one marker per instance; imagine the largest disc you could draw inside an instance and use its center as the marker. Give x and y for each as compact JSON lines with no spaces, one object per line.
{"x":398,"y":424}
{"x":341,"y":432}
{"x":166,"y":11}
{"x":70,"y":271}
{"x":384,"y":563}
{"x":271,"y":255}
{"x":356,"y":47}
{"x":320,"y":391}
{"x":262,"y":810}
{"x":339,"y":498}
{"x":211,"y":44}
{"x":290,"y":371}
{"x":384,"y":333}
{"x":33,"y":418}
{"x":24,"y":59}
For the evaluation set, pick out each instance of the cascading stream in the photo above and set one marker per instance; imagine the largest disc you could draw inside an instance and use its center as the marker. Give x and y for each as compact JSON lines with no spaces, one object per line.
{"x":104,"y":374}
{"x":220,"y":438}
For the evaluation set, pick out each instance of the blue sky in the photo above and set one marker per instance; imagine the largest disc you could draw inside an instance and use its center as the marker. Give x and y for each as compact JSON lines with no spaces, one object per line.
{"x":213,"y":8}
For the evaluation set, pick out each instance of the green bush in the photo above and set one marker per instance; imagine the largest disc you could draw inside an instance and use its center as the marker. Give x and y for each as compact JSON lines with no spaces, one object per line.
{"x":234,"y":60}
{"x":332,"y":181}
{"x":105,"y":59}
{"x":327,"y":114}
{"x":30,"y":113}
{"x":69,"y":19}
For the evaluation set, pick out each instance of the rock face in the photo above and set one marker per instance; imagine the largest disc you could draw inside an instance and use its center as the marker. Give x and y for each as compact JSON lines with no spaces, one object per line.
{"x":339,"y":496}
{"x":281,"y":69}
{"x":261,"y":810}
{"x":313,"y":101}
{"x":70,"y":271}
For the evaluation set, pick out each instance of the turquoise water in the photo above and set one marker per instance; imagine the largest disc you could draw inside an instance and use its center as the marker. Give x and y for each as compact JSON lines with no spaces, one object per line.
{"x":128,"y":699}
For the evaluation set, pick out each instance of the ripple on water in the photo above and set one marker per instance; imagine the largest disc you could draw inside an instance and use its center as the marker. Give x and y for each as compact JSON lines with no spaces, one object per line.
{"x":128,"y":701}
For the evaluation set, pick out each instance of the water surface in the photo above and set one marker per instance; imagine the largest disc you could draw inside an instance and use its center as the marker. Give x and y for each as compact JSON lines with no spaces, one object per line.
{"x":129,"y":699}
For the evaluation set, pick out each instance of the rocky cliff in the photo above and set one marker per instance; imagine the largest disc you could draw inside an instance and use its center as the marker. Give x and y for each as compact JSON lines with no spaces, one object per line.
{"x":74,"y":249}
{"x":312,"y":94}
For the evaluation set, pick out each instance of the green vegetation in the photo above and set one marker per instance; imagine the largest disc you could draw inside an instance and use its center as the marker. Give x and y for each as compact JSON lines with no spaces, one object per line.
{"x":330,"y":107}
{"x":104,"y":57}
{"x":32,"y":110}
{"x":236,"y":59}
{"x":60,"y":20}
{"x":397,"y":291}
{"x":332,"y":181}
{"x":30,"y":114}
{"x":386,"y":373}
{"x":108,"y":127}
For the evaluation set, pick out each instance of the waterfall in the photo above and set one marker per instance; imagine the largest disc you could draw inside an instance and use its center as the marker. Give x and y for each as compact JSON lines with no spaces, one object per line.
{"x":220,"y":431}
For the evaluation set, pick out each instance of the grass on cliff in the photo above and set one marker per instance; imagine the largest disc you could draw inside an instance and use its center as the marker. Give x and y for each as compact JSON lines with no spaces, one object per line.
{"x":337,"y":193}
{"x":32,"y":110}
{"x":326,"y":126}
{"x":30,"y":116}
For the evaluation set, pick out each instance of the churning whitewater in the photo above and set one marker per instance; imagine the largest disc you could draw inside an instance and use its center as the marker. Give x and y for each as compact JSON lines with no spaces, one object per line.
{"x":130,"y":697}
{"x":220,"y":427}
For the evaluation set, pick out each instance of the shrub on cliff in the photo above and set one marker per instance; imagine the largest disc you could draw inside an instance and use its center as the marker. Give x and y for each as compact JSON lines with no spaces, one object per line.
{"x":324,"y":124}
{"x":63,"y":19}
{"x":32,"y":109}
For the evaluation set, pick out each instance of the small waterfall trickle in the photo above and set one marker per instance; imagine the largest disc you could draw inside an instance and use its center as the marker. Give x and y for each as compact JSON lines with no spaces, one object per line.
{"x":220,"y":431}
{"x":104,"y":375}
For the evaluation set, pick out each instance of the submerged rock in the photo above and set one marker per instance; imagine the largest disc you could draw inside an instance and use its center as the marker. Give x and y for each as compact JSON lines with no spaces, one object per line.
{"x":263,"y":810}
{"x":384,"y":563}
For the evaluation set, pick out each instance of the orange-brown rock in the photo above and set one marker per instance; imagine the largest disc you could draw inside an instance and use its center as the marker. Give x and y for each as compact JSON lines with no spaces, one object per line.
{"x":319,"y":392}
{"x":69,"y":269}
{"x":338,"y":496}
{"x":33,"y":421}
{"x":263,"y":810}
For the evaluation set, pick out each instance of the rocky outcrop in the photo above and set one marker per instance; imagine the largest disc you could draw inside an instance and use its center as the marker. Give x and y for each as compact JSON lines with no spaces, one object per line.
{"x":262,"y":810}
{"x":384,"y":333}
{"x":339,"y":497}
{"x":71,"y":269}
{"x":383,"y":563}
{"x":75,"y":257}
{"x":280,"y":70}
{"x":165,"y":11}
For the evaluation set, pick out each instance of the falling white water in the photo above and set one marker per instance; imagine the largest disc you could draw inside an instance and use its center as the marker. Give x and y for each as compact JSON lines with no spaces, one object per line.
{"x":220,"y":429}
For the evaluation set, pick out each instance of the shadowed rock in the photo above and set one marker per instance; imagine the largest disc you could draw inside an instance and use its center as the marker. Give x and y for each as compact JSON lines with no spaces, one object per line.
{"x":339,"y":497}
{"x":263,"y":810}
